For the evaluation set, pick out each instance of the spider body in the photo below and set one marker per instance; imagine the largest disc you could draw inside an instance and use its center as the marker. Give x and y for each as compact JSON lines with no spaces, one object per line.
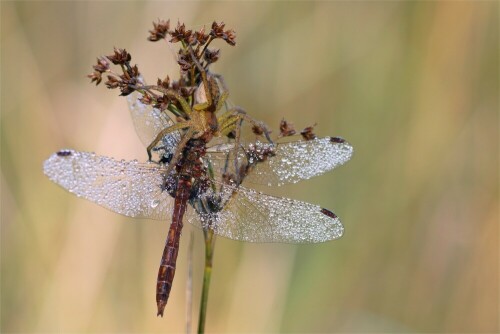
{"x":201,"y":120}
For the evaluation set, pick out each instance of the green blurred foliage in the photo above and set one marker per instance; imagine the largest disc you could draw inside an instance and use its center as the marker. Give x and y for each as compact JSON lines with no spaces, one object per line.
{"x":412,"y":85}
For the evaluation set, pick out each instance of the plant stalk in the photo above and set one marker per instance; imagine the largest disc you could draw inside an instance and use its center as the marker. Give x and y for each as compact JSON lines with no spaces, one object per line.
{"x":207,"y":274}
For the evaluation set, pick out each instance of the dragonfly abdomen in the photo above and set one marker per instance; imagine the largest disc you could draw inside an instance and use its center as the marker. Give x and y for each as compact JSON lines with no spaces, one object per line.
{"x":189,"y":167}
{"x":169,"y":258}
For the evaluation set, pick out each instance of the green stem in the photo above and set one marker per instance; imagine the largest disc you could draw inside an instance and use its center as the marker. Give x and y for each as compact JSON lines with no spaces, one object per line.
{"x":207,"y":274}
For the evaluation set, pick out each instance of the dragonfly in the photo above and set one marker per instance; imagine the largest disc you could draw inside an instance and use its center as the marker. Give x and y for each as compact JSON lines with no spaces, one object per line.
{"x":210,"y":187}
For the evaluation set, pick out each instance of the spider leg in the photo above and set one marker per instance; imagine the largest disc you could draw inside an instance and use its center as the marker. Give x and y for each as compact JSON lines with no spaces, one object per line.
{"x":224,"y":94}
{"x":228,"y":120}
{"x":163,"y":133}
{"x":232,"y":120}
{"x":222,"y":100}
{"x":178,"y":151}
{"x":204,"y":79}
{"x":221,"y":80}
{"x":178,"y":126}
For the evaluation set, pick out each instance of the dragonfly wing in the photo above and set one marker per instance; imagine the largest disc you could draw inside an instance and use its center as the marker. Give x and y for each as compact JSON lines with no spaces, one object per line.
{"x":291,"y":162}
{"x":126,"y":187}
{"x":251,"y":216}
{"x":149,"y":121}
{"x":301,"y":160}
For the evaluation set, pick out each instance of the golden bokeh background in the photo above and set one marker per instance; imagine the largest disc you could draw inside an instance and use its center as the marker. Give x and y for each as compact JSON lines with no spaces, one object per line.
{"x":412,"y":85}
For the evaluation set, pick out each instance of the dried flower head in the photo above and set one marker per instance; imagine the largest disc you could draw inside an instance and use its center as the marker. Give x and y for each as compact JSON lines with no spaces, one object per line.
{"x":258,"y":130}
{"x":194,"y":54}
{"x":181,"y":34}
{"x":286,"y":129}
{"x":201,"y":37}
{"x":160,"y":30}
{"x":308,"y":133}
{"x":120,"y":57}
{"x":112,"y":82}
{"x":165,"y":83}
{"x":230,"y":37}
{"x":211,"y":56}
{"x":101,"y":67}
{"x":218,"y":32}
{"x":185,"y":62}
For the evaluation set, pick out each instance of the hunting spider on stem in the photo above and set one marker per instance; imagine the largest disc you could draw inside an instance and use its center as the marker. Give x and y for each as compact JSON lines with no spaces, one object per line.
{"x":195,"y":99}
{"x":202,"y":121}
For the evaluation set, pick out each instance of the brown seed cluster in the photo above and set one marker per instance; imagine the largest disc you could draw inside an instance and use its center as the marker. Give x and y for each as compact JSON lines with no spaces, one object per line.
{"x":308,"y":133}
{"x":287,"y":129}
{"x":194,"y":53}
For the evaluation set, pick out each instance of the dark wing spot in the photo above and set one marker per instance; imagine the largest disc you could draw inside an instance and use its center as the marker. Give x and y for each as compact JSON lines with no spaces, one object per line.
{"x":64,"y":153}
{"x":337,"y":140}
{"x":328,"y":213}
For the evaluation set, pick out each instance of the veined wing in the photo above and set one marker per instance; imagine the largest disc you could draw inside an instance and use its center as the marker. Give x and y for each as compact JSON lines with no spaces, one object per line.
{"x":252,"y":216}
{"x":149,"y":121}
{"x":126,"y":187}
{"x":292,"y":161}
{"x":136,"y":190}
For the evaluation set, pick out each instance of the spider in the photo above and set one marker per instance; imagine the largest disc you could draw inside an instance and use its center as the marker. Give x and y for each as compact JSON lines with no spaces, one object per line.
{"x":202,"y":121}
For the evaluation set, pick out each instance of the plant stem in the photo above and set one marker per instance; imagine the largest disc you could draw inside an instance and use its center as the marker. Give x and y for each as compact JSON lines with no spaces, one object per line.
{"x":207,"y":274}
{"x":189,"y":285}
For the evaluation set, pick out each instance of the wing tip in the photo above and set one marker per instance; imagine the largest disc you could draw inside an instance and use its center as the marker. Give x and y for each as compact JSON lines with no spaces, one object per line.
{"x":339,"y":228}
{"x":344,"y":146}
{"x":48,"y":164}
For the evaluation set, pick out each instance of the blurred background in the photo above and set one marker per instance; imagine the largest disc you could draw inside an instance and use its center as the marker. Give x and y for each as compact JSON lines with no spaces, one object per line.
{"x":413,"y":86}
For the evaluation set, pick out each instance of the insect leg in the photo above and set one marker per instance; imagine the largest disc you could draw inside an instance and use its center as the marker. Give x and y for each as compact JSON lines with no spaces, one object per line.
{"x":204,"y":79}
{"x":178,"y":151}
{"x":228,"y":120}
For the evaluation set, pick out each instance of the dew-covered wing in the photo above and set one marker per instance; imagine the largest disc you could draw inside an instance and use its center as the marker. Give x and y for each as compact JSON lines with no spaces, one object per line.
{"x":126,"y":187}
{"x":149,"y":121}
{"x":251,"y":216}
{"x":290,"y":162}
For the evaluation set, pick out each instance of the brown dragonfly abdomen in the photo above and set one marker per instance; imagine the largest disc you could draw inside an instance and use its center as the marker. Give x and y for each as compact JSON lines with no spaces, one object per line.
{"x":167,"y":266}
{"x":189,"y":167}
